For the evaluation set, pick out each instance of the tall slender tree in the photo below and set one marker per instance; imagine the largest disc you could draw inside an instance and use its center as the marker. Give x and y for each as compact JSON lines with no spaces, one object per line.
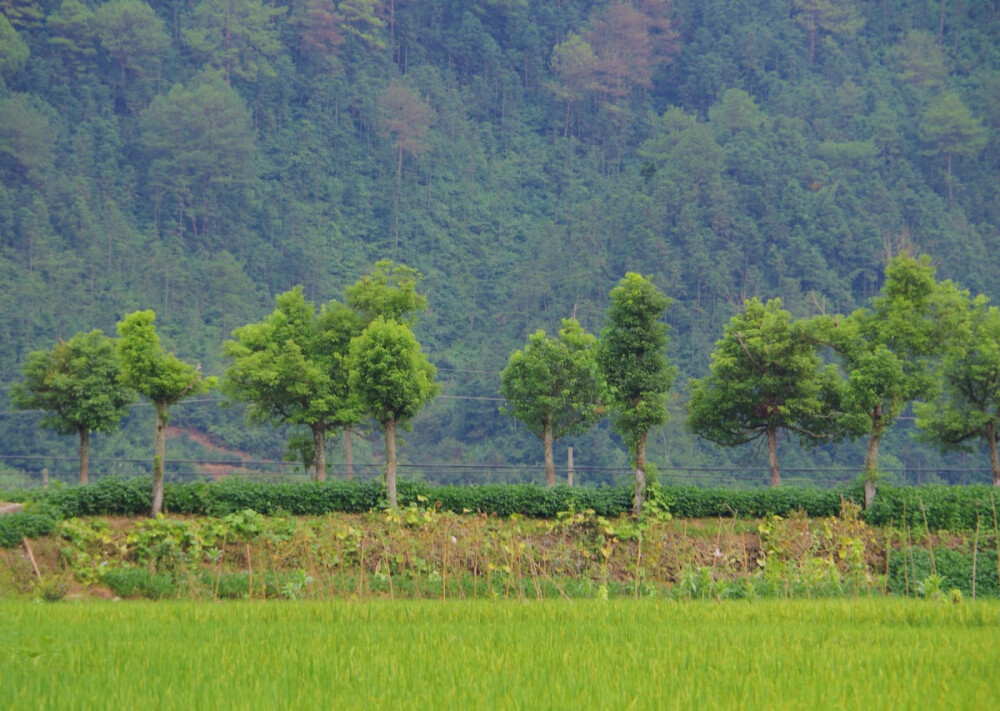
{"x":392,"y":380}
{"x":632,"y":356}
{"x":161,"y":377}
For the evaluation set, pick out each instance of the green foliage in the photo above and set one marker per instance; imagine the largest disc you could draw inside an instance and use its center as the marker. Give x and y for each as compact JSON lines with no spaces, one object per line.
{"x":967,"y":409}
{"x":13,"y":50}
{"x":24,"y":524}
{"x":390,"y":291}
{"x":390,"y":375}
{"x":292,"y":368}
{"x":765,"y":376}
{"x":911,"y":570}
{"x":554,"y":386}
{"x":140,"y":582}
{"x":632,"y":356}
{"x":943,"y":507}
{"x":149,"y":369}
{"x":78,"y":383}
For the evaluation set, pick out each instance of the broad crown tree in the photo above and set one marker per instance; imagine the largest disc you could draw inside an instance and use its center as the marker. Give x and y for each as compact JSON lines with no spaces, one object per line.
{"x":553,"y":386}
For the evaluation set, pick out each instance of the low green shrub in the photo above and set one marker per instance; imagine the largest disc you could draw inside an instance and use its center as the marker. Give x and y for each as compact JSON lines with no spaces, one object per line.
{"x":139,"y":582}
{"x":940,"y":507}
{"x":24,"y":524}
{"x":910,"y":568}
{"x":943,"y":507}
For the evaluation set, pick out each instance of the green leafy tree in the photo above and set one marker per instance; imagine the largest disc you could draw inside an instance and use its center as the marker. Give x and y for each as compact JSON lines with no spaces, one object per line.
{"x":390,"y":291}
{"x":631,"y":354}
{"x":238,"y":36}
{"x":161,"y":377}
{"x":951,"y":129}
{"x":575,"y":66}
{"x":838,"y":17}
{"x":79,"y":384}
{"x":887,"y":351}
{"x":553,"y":386}
{"x":968,"y":407}
{"x":131,"y":32}
{"x":765,"y":376}
{"x":292,"y":368}
{"x":392,"y":380}
{"x":200,"y":143}
{"x":13,"y":50}
{"x":27,"y":139}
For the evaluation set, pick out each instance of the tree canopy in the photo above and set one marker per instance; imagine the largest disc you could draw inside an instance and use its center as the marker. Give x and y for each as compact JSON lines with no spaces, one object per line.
{"x":554,"y":387}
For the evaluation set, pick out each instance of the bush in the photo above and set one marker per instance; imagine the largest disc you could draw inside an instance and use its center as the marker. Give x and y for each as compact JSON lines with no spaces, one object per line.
{"x":25,"y":524}
{"x":944,"y":507}
{"x":910,"y":567}
{"x":139,"y":582}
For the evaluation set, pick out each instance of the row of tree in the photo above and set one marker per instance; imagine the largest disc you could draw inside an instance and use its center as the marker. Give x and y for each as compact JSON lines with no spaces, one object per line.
{"x":824,"y":378}
{"x":329,"y":370}
{"x":819,"y":378}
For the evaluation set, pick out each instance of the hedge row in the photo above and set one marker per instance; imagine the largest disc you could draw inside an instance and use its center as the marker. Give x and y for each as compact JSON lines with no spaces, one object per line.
{"x":939,"y":507}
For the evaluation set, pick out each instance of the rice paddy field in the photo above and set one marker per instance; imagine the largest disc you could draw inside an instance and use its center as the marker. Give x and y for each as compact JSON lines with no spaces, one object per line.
{"x":622,"y":654}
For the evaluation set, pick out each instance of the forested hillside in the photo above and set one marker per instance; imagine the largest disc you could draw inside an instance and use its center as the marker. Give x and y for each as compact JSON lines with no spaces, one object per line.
{"x":196,"y":158}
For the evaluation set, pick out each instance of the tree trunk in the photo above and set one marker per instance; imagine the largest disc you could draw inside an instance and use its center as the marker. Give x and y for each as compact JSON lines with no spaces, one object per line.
{"x":640,"y":475}
{"x":991,"y":440}
{"x":772,"y":456}
{"x":550,"y":462}
{"x":158,"y":457}
{"x":871,"y":467}
{"x":319,"y":450}
{"x":84,"y":455}
{"x":390,"y":462}
{"x":348,"y":459}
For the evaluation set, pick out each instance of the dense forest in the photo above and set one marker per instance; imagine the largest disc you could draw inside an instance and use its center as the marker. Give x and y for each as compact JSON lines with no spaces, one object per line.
{"x":197,"y":158}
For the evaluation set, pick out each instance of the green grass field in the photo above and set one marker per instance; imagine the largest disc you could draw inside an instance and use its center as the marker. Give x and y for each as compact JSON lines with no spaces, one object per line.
{"x":882,"y":654}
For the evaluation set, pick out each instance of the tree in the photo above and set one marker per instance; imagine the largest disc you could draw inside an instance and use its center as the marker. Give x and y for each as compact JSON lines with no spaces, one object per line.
{"x":575,"y":65}
{"x":838,"y":17}
{"x":200,"y":143}
{"x":765,"y":376}
{"x":968,"y":406}
{"x":390,"y":291}
{"x":132,"y":33}
{"x":951,"y":128}
{"x":238,"y":36}
{"x":161,"y":377}
{"x":292,"y":369}
{"x":392,"y":380}
{"x":79,"y":384}
{"x":887,"y":351}
{"x":553,"y":386}
{"x":27,"y":138}
{"x":632,"y":358}
{"x":13,"y":50}
{"x":321,"y":31}
{"x":405,"y":118}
